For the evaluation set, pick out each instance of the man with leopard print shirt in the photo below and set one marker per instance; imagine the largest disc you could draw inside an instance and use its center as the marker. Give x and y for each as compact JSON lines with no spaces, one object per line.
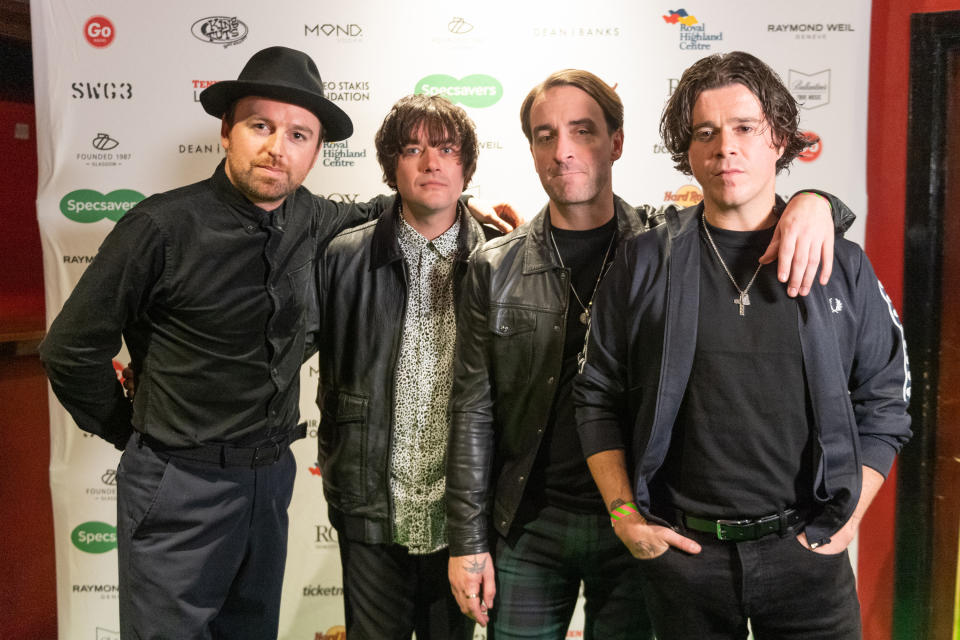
{"x":387,"y":292}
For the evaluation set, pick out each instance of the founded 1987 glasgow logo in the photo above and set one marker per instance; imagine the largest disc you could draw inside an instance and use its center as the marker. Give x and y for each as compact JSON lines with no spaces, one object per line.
{"x":88,"y":205}
{"x":477,"y":90}
{"x":94,"y":537}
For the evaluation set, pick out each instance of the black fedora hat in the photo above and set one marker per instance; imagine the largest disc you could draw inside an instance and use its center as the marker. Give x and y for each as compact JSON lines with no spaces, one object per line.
{"x":282,"y":74}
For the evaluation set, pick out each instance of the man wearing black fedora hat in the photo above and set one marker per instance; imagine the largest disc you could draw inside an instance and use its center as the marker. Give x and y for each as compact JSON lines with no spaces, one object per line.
{"x":210,"y":286}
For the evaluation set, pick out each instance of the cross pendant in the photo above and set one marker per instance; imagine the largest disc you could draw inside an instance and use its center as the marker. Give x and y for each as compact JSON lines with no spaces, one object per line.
{"x":743,"y":300}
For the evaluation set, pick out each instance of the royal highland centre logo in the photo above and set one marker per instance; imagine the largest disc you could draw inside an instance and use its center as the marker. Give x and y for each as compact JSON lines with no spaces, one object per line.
{"x":694,"y":35}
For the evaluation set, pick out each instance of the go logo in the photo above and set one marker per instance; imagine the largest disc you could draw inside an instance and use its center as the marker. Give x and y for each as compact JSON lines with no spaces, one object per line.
{"x":98,"y":31}
{"x":477,"y":90}
{"x":87,"y":205}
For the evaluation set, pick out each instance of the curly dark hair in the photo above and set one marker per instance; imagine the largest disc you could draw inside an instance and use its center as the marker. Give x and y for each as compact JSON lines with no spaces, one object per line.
{"x":587,"y":82}
{"x":722,"y":70}
{"x":443,"y":122}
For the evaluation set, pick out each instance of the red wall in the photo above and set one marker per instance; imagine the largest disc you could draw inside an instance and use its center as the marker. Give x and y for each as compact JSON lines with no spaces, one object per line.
{"x":28,"y":588}
{"x":21,"y":271}
{"x":886,"y":191}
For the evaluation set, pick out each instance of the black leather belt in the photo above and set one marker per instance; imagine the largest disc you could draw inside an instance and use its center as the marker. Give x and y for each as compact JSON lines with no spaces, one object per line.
{"x":225,"y":455}
{"x":740,"y":530}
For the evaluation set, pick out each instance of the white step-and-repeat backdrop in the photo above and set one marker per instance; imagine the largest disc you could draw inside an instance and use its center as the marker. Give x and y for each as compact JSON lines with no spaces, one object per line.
{"x":118,"y":119}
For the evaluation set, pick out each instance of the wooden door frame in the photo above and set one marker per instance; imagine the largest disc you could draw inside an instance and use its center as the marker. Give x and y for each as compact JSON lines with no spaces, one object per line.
{"x":933,"y":37}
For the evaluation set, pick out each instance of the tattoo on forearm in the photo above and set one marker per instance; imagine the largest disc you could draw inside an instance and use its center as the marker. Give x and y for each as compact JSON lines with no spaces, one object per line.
{"x":616,"y":503}
{"x":476,"y":566}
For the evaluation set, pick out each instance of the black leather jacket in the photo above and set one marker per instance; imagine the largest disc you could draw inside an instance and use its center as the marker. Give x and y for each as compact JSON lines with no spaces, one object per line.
{"x":510,"y":333}
{"x":510,"y":336}
{"x":362,"y":294}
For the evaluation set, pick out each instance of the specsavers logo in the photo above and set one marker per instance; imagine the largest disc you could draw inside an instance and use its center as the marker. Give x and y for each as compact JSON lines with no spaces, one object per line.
{"x":94,"y":537}
{"x":477,"y":90}
{"x":87,"y":205}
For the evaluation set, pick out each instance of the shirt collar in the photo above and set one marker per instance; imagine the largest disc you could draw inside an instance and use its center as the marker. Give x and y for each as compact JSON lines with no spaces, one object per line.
{"x":249,"y":215}
{"x":445,"y":243}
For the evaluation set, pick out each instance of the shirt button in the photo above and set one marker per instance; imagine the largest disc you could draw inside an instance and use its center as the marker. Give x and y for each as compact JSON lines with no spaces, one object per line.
{"x":540,"y":430}
{"x":504,"y":327}
{"x":520,"y":479}
{"x":563,"y":275}
{"x":250,"y":227}
{"x":556,"y":327}
{"x":273,"y":372}
{"x":550,"y":380}
{"x":503,"y":523}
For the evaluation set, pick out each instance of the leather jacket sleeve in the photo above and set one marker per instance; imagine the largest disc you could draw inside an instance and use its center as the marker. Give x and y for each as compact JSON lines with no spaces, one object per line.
{"x":470,"y":448}
{"x":843,"y":217}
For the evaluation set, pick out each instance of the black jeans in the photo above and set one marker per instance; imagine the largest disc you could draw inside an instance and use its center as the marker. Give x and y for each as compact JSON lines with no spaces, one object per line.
{"x":389,"y":593}
{"x":787,"y":591}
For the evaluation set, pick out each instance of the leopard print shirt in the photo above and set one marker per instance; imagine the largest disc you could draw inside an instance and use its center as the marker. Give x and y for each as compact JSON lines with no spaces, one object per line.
{"x":423,"y":380}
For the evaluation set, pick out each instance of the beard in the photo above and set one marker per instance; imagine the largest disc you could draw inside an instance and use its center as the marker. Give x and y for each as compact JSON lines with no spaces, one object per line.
{"x":257,"y":186}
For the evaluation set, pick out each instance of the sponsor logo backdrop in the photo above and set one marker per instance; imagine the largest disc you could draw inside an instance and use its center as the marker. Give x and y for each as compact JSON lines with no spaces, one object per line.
{"x":118,"y":120}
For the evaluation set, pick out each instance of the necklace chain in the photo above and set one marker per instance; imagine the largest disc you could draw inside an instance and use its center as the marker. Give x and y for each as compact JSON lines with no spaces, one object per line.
{"x":743,"y":299}
{"x":585,"y":315}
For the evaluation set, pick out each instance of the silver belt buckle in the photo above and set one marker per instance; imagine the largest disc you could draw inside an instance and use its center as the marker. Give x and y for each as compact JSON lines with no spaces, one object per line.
{"x":726,"y":523}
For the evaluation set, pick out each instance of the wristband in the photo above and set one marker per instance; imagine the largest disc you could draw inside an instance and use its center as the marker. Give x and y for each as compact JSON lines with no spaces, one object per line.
{"x":623,"y":511}
{"x":821,"y":196}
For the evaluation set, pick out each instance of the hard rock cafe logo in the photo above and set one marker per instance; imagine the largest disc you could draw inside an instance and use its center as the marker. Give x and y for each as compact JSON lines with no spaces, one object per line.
{"x":686,"y":196}
{"x":336,"y":632}
{"x":811,"y":90}
{"x":812,"y":152}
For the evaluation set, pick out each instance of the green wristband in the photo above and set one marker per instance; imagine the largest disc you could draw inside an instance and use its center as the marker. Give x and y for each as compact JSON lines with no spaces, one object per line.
{"x":623,"y":511}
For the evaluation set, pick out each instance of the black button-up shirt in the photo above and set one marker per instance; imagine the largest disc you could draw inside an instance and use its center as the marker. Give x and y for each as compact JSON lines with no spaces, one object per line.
{"x":212,"y":295}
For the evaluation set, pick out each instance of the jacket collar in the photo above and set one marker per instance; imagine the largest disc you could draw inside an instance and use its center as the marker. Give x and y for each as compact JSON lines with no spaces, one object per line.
{"x":385,"y":248}
{"x":539,"y":254}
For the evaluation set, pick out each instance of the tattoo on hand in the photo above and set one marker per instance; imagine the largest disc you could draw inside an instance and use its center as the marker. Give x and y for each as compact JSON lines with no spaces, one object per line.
{"x":616,"y":503}
{"x":476,"y":566}
{"x":645,"y":549}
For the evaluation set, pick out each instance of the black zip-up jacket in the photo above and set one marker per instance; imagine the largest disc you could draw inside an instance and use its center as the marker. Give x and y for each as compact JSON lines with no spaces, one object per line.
{"x":642,"y":344}
{"x":510,"y":336}
{"x":363,"y":300}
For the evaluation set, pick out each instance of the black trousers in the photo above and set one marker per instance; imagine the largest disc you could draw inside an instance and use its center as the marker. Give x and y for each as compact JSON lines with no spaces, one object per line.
{"x":201,"y":549}
{"x":389,"y":593}
{"x":787,"y":591}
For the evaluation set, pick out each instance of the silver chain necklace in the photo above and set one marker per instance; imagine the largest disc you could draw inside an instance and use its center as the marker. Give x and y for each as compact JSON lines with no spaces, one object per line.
{"x":585,"y":314}
{"x":743,"y":299}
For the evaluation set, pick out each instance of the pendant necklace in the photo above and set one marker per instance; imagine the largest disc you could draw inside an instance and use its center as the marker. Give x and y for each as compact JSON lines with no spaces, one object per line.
{"x":744,"y":298}
{"x":585,"y":314}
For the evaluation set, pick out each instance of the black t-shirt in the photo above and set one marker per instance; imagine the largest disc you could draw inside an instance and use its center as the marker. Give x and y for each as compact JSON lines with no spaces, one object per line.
{"x":560,"y":475}
{"x":741,"y":444}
